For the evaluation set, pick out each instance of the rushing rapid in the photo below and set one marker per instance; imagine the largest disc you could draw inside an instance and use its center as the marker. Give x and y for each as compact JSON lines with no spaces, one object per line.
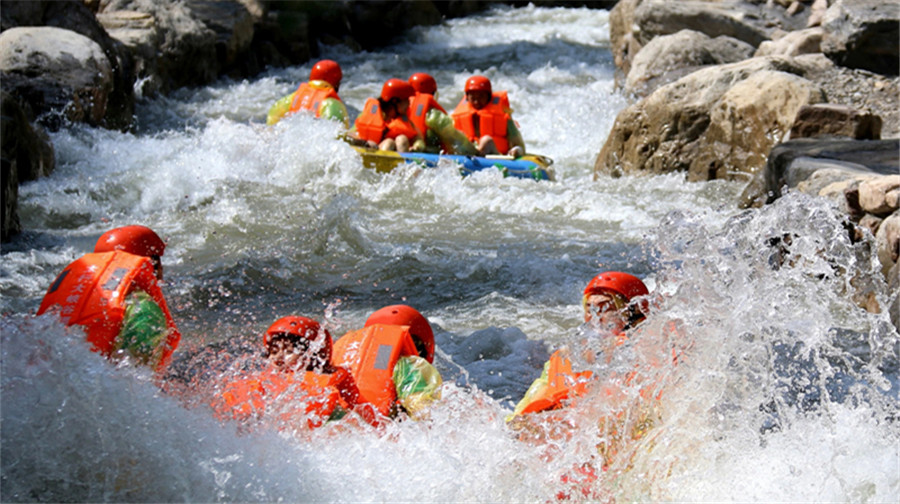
{"x":783,"y":387}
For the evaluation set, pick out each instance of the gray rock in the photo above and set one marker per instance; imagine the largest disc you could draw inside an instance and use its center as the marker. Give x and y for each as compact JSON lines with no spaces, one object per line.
{"x":69,"y":70}
{"x":74,"y":15}
{"x":874,"y":157}
{"x":669,"y":57}
{"x":186,"y":52}
{"x":659,"y":17}
{"x":863,"y":34}
{"x":718,"y":122}
{"x":138,"y":32}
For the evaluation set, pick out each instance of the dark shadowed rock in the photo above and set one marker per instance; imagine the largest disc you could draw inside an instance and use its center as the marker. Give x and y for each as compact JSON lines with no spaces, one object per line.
{"x":876,"y":157}
{"x":233,"y":25}
{"x":863,"y":34}
{"x":26,"y":155}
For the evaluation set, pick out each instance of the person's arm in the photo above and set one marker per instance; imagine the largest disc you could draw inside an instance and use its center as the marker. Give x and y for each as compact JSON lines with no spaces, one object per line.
{"x":515,"y":136}
{"x":335,"y":110}
{"x":279,"y":109}
{"x":144,"y":327}
{"x":442,"y":125}
{"x":417,"y":384}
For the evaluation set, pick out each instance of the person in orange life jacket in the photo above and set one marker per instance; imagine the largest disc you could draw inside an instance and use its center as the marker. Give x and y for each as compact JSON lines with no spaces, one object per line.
{"x":391,"y":359}
{"x":114,"y":294}
{"x":383,"y":124}
{"x":319,"y":96}
{"x":608,"y":304}
{"x":299,"y":382}
{"x":430,"y":118}
{"x":484,"y":116}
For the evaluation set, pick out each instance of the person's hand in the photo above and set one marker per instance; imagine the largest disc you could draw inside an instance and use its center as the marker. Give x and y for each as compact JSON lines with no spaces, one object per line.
{"x":516,"y":152}
{"x":417,"y":146}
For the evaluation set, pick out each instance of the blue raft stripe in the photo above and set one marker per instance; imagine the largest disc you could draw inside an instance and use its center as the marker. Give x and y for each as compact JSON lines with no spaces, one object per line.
{"x":519,"y":168}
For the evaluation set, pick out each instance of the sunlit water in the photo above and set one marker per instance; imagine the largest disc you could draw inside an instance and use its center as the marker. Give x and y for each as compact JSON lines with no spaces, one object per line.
{"x":782,"y":389}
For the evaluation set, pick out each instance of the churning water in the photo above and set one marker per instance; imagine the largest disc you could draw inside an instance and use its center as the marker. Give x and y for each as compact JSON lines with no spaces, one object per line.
{"x":783,"y":388}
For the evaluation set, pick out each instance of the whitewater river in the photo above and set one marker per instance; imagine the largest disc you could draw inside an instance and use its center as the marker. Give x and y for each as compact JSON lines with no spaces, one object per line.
{"x":783,"y":390}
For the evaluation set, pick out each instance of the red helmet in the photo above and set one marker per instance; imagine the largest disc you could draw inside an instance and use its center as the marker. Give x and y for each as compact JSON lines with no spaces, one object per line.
{"x":407,"y":316}
{"x":396,"y":88}
{"x":328,"y":71}
{"x":624,"y":284}
{"x":478,"y":83}
{"x":137,"y":240}
{"x":423,"y":83}
{"x":301,"y":327}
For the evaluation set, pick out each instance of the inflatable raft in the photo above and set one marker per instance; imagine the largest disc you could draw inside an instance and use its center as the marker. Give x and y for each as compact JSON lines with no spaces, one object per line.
{"x":529,"y":166}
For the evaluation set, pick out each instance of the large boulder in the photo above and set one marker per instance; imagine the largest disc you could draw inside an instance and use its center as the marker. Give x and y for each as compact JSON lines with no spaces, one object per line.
{"x":73,"y":15}
{"x":863,"y":34}
{"x":186,"y":52}
{"x":716,"y":123}
{"x":634,"y":23}
{"x":190,"y":43}
{"x":138,"y":32}
{"x":667,"y":58}
{"x":233,"y":23}
{"x":729,"y":18}
{"x":622,"y":42}
{"x":57,"y":70}
{"x":794,"y":162}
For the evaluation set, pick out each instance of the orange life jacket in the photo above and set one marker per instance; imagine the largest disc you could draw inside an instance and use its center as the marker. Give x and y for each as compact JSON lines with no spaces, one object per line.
{"x":419,"y":105}
{"x":492,"y":120}
{"x":562,"y":384}
{"x":308,"y":394}
{"x":370,"y":124}
{"x":91,"y":292}
{"x":310,"y":98}
{"x":371,"y":354}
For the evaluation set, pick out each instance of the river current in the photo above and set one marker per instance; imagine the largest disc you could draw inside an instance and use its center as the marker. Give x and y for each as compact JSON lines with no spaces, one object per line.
{"x":783,"y":389}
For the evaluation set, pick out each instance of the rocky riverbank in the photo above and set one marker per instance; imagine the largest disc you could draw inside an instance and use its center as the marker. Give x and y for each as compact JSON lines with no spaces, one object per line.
{"x":780,"y":94}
